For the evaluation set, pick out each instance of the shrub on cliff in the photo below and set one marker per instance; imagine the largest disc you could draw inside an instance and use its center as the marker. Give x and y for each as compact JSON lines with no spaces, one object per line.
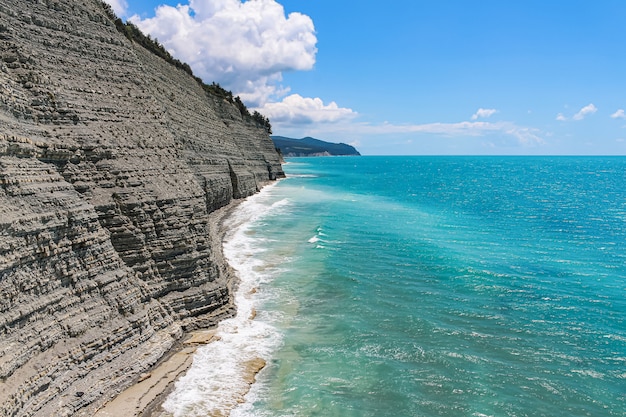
{"x":262,"y":121}
{"x":134,"y":34}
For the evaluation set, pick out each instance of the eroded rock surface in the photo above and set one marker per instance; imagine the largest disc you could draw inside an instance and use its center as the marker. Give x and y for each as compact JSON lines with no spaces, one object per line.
{"x":111,"y":163}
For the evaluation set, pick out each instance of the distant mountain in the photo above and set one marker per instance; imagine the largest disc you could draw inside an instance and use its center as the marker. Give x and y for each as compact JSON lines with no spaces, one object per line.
{"x":311,"y":147}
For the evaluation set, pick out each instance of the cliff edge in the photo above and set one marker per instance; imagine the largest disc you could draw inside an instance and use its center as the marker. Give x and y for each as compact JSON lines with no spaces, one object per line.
{"x":111,"y":163}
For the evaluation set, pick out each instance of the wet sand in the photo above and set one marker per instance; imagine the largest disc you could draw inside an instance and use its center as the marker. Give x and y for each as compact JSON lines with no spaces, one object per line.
{"x":146,"y":396}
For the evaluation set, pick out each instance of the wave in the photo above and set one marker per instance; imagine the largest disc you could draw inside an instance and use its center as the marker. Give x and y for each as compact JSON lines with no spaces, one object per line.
{"x":303,"y":176}
{"x":223,"y":370}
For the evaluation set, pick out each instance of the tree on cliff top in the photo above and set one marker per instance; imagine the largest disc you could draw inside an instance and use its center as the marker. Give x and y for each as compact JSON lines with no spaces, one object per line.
{"x":262,"y":121}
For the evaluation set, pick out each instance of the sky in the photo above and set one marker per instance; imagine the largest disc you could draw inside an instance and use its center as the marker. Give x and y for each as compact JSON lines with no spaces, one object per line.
{"x":413,"y":77}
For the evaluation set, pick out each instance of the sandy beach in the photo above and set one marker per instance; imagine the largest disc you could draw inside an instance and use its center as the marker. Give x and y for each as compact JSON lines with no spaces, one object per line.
{"x":145,"y":397}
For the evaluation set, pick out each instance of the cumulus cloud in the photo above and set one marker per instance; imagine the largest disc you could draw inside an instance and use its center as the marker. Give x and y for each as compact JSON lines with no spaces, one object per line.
{"x":483,"y":113}
{"x":560,"y":117}
{"x":585,"y":111}
{"x":119,"y":6}
{"x":619,"y":114}
{"x":243,"y":45}
{"x":295,"y":109}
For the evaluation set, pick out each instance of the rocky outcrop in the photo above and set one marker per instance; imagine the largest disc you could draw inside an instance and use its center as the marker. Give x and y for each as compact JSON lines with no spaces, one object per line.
{"x":112,"y":162}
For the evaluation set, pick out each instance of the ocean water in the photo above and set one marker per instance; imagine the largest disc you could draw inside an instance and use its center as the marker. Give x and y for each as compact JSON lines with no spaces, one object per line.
{"x":425,"y":286}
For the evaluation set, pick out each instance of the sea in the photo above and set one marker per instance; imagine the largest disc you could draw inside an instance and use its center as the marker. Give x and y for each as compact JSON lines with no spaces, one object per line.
{"x":424,"y":286}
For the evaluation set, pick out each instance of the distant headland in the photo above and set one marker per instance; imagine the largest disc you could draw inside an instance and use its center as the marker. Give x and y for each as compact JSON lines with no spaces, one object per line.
{"x":309,"y":146}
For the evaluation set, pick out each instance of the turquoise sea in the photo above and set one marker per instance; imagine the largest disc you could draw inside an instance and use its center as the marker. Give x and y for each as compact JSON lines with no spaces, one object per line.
{"x":425,"y":286}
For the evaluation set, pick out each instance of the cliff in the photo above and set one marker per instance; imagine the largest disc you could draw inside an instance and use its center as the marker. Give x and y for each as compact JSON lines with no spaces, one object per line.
{"x":312,"y":147}
{"x":111,"y":163}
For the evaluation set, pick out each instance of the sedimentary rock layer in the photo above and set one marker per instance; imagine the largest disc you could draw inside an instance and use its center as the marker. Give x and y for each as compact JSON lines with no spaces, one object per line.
{"x":111,"y":162}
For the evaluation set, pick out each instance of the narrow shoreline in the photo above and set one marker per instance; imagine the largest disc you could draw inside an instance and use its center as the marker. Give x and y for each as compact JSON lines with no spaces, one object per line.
{"x":145,"y":397}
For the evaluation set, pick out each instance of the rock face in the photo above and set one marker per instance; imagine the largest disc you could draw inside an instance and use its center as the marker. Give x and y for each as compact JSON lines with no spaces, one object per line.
{"x":111,"y":163}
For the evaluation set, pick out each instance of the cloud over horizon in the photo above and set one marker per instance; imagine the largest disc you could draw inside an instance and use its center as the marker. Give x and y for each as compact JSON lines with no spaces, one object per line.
{"x":483,"y":113}
{"x":526,"y":137}
{"x":244,"y":46}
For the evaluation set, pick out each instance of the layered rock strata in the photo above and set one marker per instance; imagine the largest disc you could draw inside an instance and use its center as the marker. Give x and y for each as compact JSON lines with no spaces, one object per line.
{"x":111,"y":163}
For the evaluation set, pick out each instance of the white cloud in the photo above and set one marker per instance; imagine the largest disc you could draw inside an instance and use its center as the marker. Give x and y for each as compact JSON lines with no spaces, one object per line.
{"x":119,"y":6}
{"x":296,"y":110}
{"x":582,"y":113}
{"x":243,"y":45}
{"x":523,"y":136}
{"x":619,"y":114}
{"x":587,"y":110}
{"x":447,"y":129}
{"x":484,"y":113}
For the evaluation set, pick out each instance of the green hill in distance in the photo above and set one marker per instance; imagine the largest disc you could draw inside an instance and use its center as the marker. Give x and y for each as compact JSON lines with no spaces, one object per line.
{"x":309,"y":146}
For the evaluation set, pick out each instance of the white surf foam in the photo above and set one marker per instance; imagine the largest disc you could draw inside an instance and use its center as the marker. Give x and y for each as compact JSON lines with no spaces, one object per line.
{"x":318,"y":237}
{"x":215,"y":383}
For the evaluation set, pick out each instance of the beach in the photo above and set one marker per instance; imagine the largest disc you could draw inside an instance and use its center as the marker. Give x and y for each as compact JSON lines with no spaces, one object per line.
{"x":146,"y":396}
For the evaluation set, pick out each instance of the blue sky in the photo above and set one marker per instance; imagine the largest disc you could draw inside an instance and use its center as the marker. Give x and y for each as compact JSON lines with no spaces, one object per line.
{"x":413,"y":77}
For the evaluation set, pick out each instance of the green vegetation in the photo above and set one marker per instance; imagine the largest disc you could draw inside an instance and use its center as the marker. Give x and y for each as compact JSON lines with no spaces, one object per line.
{"x":262,"y":121}
{"x":310,"y":147}
{"x":135,"y":35}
